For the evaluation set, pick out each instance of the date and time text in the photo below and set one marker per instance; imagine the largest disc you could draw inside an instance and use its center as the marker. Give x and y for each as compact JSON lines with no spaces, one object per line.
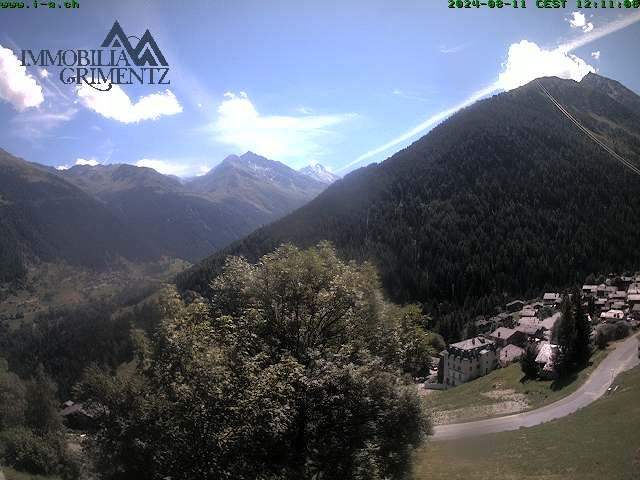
{"x":580,"y":4}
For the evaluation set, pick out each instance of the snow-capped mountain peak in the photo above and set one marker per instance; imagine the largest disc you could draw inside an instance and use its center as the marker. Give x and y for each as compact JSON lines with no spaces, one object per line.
{"x":320,"y":173}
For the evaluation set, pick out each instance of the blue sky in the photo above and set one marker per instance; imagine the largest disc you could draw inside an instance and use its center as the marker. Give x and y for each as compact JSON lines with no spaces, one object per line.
{"x":340,"y":83}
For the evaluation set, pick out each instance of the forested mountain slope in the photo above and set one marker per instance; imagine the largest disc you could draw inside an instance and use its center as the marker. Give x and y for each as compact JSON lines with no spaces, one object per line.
{"x":504,"y":198}
{"x":43,"y":216}
{"x":88,"y":215}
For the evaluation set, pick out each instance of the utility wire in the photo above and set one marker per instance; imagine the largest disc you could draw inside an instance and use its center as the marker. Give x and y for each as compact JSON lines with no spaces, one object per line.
{"x":589,"y":133}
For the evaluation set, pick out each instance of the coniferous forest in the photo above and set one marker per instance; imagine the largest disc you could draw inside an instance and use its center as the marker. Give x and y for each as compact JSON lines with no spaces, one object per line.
{"x":506,"y":198}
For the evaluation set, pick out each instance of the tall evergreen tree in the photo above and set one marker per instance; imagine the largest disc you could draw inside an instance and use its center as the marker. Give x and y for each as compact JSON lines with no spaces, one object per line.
{"x":565,"y":335}
{"x":582,"y":340}
{"x":528,"y":362}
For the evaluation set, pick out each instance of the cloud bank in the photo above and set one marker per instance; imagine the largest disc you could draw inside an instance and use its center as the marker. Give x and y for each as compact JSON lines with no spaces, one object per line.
{"x":240,"y":125}
{"x":17,"y":86}
{"x":91,"y":162}
{"x":169,"y":167}
{"x":526,"y":61}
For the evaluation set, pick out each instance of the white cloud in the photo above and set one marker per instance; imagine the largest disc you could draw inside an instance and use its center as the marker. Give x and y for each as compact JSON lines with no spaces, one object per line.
{"x":44,"y":73}
{"x":578,"y":20}
{"x":565,"y":48}
{"x":37,"y":124}
{"x":117,"y":105}
{"x":400,"y":93}
{"x":281,"y":137}
{"x":171,"y":167}
{"x":17,"y":86}
{"x":600,"y":32}
{"x":91,"y":162}
{"x":526,"y":61}
{"x":455,"y":49}
{"x":596,"y":55}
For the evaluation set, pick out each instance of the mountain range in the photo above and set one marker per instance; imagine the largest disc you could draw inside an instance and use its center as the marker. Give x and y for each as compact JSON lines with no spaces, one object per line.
{"x":319,"y":173}
{"x":504,"y":198}
{"x":88,"y":215}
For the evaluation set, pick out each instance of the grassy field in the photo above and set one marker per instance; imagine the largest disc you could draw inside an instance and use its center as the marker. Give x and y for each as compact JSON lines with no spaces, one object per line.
{"x":602,"y":441}
{"x":536,"y":393}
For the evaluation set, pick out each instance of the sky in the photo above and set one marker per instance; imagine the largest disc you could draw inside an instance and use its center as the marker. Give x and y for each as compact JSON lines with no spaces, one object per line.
{"x":341,"y":83}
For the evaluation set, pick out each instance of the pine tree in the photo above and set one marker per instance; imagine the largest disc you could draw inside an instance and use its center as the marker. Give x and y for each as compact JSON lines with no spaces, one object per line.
{"x":528,"y":362}
{"x":565,"y":334}
{"x":582,"y":337}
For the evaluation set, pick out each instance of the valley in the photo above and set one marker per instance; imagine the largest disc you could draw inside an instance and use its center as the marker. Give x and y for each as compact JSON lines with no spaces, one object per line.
{"x":302,"y":315}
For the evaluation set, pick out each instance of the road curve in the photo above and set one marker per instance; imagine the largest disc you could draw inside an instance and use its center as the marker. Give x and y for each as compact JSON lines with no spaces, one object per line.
{"x":623,"y":357}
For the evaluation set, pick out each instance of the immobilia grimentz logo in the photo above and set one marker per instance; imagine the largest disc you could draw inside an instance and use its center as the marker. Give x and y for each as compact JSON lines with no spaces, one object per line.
{"x":116,"y":62}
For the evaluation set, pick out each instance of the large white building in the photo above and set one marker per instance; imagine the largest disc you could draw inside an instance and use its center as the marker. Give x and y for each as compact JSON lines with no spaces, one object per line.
{"x":468,"y":360}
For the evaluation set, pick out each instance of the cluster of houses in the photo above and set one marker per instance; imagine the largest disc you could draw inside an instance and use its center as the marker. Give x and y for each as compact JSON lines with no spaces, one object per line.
{"x":615,"y":302}
{"x":502,"y":339}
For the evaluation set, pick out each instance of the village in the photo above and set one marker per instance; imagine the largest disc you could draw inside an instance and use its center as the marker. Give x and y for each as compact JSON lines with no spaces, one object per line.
{"x":612,"y":305}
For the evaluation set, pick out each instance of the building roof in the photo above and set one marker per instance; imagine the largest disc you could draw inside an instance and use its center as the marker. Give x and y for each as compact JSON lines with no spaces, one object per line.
{"x":635,"y":297}
{"x":551,"y":296}
{"x":529,"y":322}
{"x":515,"y":302}
{"x":503,"y":333}
{"x":510,"y":353}
{"x":618,"y":294}
{"x":528,"y":329}
{"x":591,"y":288}
{"x":612,"y":314}
{"x":528,"y":312}
{"x":472,"y":343}
{"x":73,"y":409}
{"x":546,"y":355}
{"x":484,"y":321}
{"x":549,"y":322}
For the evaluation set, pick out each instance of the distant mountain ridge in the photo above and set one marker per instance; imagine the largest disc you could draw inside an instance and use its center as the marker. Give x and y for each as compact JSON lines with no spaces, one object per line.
{"x":138,"y":213}
{"x":267,"y":185}
{"x":320,"y":173}
{"x":506,"y":197}
{"x":44,"y":217}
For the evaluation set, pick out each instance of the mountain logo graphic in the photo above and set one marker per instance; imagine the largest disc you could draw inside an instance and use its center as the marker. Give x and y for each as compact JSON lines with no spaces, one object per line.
{"x":146,"y":52}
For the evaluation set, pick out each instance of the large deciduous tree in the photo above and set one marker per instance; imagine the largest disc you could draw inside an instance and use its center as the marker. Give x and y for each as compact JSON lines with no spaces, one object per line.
{"x":291,"y":369}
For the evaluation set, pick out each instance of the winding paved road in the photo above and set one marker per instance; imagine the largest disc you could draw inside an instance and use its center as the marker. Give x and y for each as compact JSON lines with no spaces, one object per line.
{"x":623,"y":357}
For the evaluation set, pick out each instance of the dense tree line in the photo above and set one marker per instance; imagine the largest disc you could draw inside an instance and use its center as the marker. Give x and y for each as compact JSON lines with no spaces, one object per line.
{"x":288,"y":368}
{"x":572,"y":334}
{"x":31,"y":432}
{"x":65,"y":341}
{"x":507,"y":198}
{"x":43,"y":217}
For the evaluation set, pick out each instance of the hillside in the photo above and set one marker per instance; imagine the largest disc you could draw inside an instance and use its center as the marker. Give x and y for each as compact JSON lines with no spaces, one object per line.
{"x":264,"y":188}
{"x":190,"y":220}
{"x":599,"y":441}
{"x":87,"y":215}
{"x":505,"y":198}
{"x":43,"y":216}
{"x":179,"y":223}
